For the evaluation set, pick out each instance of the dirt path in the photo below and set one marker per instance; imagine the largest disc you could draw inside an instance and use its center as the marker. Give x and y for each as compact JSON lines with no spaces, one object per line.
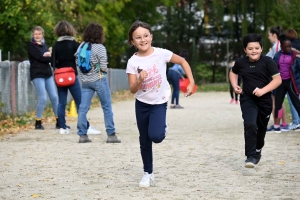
{"x":201,"y":158}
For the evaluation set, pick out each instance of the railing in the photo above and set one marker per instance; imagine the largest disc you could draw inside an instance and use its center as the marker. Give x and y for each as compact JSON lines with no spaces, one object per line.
{"x":18,"y":95}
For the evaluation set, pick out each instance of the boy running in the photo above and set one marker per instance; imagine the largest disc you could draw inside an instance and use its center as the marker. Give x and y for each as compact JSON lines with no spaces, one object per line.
{"x":260,"y":76}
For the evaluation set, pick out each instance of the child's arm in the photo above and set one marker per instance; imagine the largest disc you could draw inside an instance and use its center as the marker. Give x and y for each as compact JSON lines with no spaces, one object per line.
{"x":276,"y":81}
{"x":234,"y":82}
{"x":134,"y":82}
{"x":187,"y":69}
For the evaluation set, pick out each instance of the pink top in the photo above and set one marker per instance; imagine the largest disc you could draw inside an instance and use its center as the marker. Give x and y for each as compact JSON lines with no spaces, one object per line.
{"x":284,"y":66}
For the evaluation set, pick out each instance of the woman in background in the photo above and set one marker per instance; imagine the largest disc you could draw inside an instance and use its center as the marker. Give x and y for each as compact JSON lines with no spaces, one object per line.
{"x":41,"y":74}
{"x":175,"y":73}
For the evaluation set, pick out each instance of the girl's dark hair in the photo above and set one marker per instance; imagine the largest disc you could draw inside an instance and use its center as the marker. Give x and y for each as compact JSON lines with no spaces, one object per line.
{"x":93,"y":33}
{"x":278,"y":30}
{"x":291,"y":33}
{"x":283,"y":38}
{"x":184,"y":53}
{"x":64,"y":28}
{"x":134,"y":26}
{"x":252,"y":37}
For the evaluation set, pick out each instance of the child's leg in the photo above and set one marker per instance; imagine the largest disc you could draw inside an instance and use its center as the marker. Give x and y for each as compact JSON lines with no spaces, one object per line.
{"x":284,"y":117}
{"x":142,"y":111}
{"x":294,"y":98}
{"x":265,"y":110}
{"x":249,"y":114}
{"x":295,"y":116}
{"x":231,"y":90}
{"x":279,"y":97}
{"x":157,"y":123}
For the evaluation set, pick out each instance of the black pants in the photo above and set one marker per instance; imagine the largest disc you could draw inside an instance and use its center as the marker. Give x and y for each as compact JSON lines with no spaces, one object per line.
{"x":286,"y":86}
{"x":256,"y":113}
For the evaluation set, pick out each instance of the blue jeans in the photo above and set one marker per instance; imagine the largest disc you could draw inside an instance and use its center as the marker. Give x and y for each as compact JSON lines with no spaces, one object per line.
{"x":295,"y":115}
{"x":174,"y":77}
{"x":42,"y":87}
{"x":75,"y":91}
{"x":151,"y":122}
{"x":103,"y":92}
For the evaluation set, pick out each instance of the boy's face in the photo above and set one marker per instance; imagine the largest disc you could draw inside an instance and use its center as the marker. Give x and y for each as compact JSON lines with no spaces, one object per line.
{"x":286,"y":47}
{"x":253,"y":51}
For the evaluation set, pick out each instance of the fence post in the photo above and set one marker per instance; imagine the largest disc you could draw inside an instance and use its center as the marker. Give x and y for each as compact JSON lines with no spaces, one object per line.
{"x":13,"y":88}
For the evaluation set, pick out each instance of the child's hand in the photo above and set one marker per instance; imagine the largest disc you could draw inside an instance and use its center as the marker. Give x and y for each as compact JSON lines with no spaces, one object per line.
{"x":258,"y":92}
{"x":238,"y":89}
{"x":190,"y":89}
{"x":143,"y":75}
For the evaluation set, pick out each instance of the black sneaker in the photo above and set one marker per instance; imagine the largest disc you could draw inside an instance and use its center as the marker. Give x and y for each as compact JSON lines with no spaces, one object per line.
{"x":250,"y":162}
{"x":84,"y":139}
{"x":257,"y":157}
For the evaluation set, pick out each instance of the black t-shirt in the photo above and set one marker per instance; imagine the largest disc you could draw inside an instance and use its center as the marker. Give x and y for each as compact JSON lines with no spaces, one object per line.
{"x":255,"y":74}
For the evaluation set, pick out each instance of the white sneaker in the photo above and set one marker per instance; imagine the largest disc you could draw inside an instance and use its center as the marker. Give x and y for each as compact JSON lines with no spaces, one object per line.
{"x":92,"y":131}
{"x":147,"y":180}
{"x":64,"y":131}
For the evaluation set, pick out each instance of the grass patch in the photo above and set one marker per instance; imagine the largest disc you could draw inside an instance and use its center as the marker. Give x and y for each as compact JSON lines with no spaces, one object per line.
{"x":216,"y":87}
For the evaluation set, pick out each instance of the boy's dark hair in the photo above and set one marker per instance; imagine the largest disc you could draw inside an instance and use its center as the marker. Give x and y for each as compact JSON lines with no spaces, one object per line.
{"x":93,"y":33}
{"x":278,"y":30}
{"x":64,"y":28}
{"x":184,"y":53}
{"x":252,"y":37}
{"x":283,"y":38}
{"x":134,"y":26}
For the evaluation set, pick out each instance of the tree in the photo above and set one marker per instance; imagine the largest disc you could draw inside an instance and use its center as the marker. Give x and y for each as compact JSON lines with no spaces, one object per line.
{"x":17,"y":20}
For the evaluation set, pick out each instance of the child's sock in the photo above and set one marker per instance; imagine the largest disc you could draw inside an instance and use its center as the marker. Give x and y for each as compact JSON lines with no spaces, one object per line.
{"x":276,"y":125}
{"x":284,"y":124}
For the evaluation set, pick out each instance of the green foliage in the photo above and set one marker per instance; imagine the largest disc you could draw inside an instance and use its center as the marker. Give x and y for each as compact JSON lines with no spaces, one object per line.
{"x":177,"y":24}
{"x":204,"y":73}
{"x":216,"y":87}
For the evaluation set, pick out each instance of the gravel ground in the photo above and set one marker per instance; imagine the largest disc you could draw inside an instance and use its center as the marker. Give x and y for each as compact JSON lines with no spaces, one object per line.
{"x":202,"y":157}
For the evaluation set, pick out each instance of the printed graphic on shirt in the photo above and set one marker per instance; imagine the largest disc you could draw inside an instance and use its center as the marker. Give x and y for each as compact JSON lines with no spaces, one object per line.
{"x":153,"y":80}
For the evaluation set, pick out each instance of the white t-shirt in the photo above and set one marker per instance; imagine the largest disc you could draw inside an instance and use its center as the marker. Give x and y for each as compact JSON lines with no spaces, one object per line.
{"x":155,"y":89}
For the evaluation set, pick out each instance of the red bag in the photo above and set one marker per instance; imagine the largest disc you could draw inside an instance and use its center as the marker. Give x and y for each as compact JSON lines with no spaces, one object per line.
{"x":64,"y":77}
{"x":183,"y":84}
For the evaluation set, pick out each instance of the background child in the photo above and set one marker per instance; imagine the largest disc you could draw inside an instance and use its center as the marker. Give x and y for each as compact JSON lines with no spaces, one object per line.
{"x":284,"y":59}
{"x":175,"y":73}
{"x":255,"y":97}
{"x":146,"y":71}
{"x":273,"y":35}
{"x":234,"y":96}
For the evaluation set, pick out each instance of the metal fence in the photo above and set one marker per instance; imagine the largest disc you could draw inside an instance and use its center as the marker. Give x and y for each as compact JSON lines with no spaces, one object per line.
{"x":17,"y":92}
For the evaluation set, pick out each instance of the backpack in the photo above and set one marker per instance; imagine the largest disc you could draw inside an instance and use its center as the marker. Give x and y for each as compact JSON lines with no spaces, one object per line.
{"x":83,"y":57}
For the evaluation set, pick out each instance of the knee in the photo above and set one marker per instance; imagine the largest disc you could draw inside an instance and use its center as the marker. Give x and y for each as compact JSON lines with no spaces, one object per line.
{"x":83,"y":108}
{"x":43,"y":100}
{"x":158,"y":138}
{"x":250,"y":127}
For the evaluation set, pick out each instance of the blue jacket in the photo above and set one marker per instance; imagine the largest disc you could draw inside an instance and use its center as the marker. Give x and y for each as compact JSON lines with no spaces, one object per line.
{"x":294,"y":69}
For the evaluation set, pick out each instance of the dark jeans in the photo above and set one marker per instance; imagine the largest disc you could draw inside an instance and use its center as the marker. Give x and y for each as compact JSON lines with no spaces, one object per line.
{"x":286,"y":86}
{"x":151,"y":122}
{"x":174,"y":77}
{"x":75,"y":91}
{"x":256,"y":113}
